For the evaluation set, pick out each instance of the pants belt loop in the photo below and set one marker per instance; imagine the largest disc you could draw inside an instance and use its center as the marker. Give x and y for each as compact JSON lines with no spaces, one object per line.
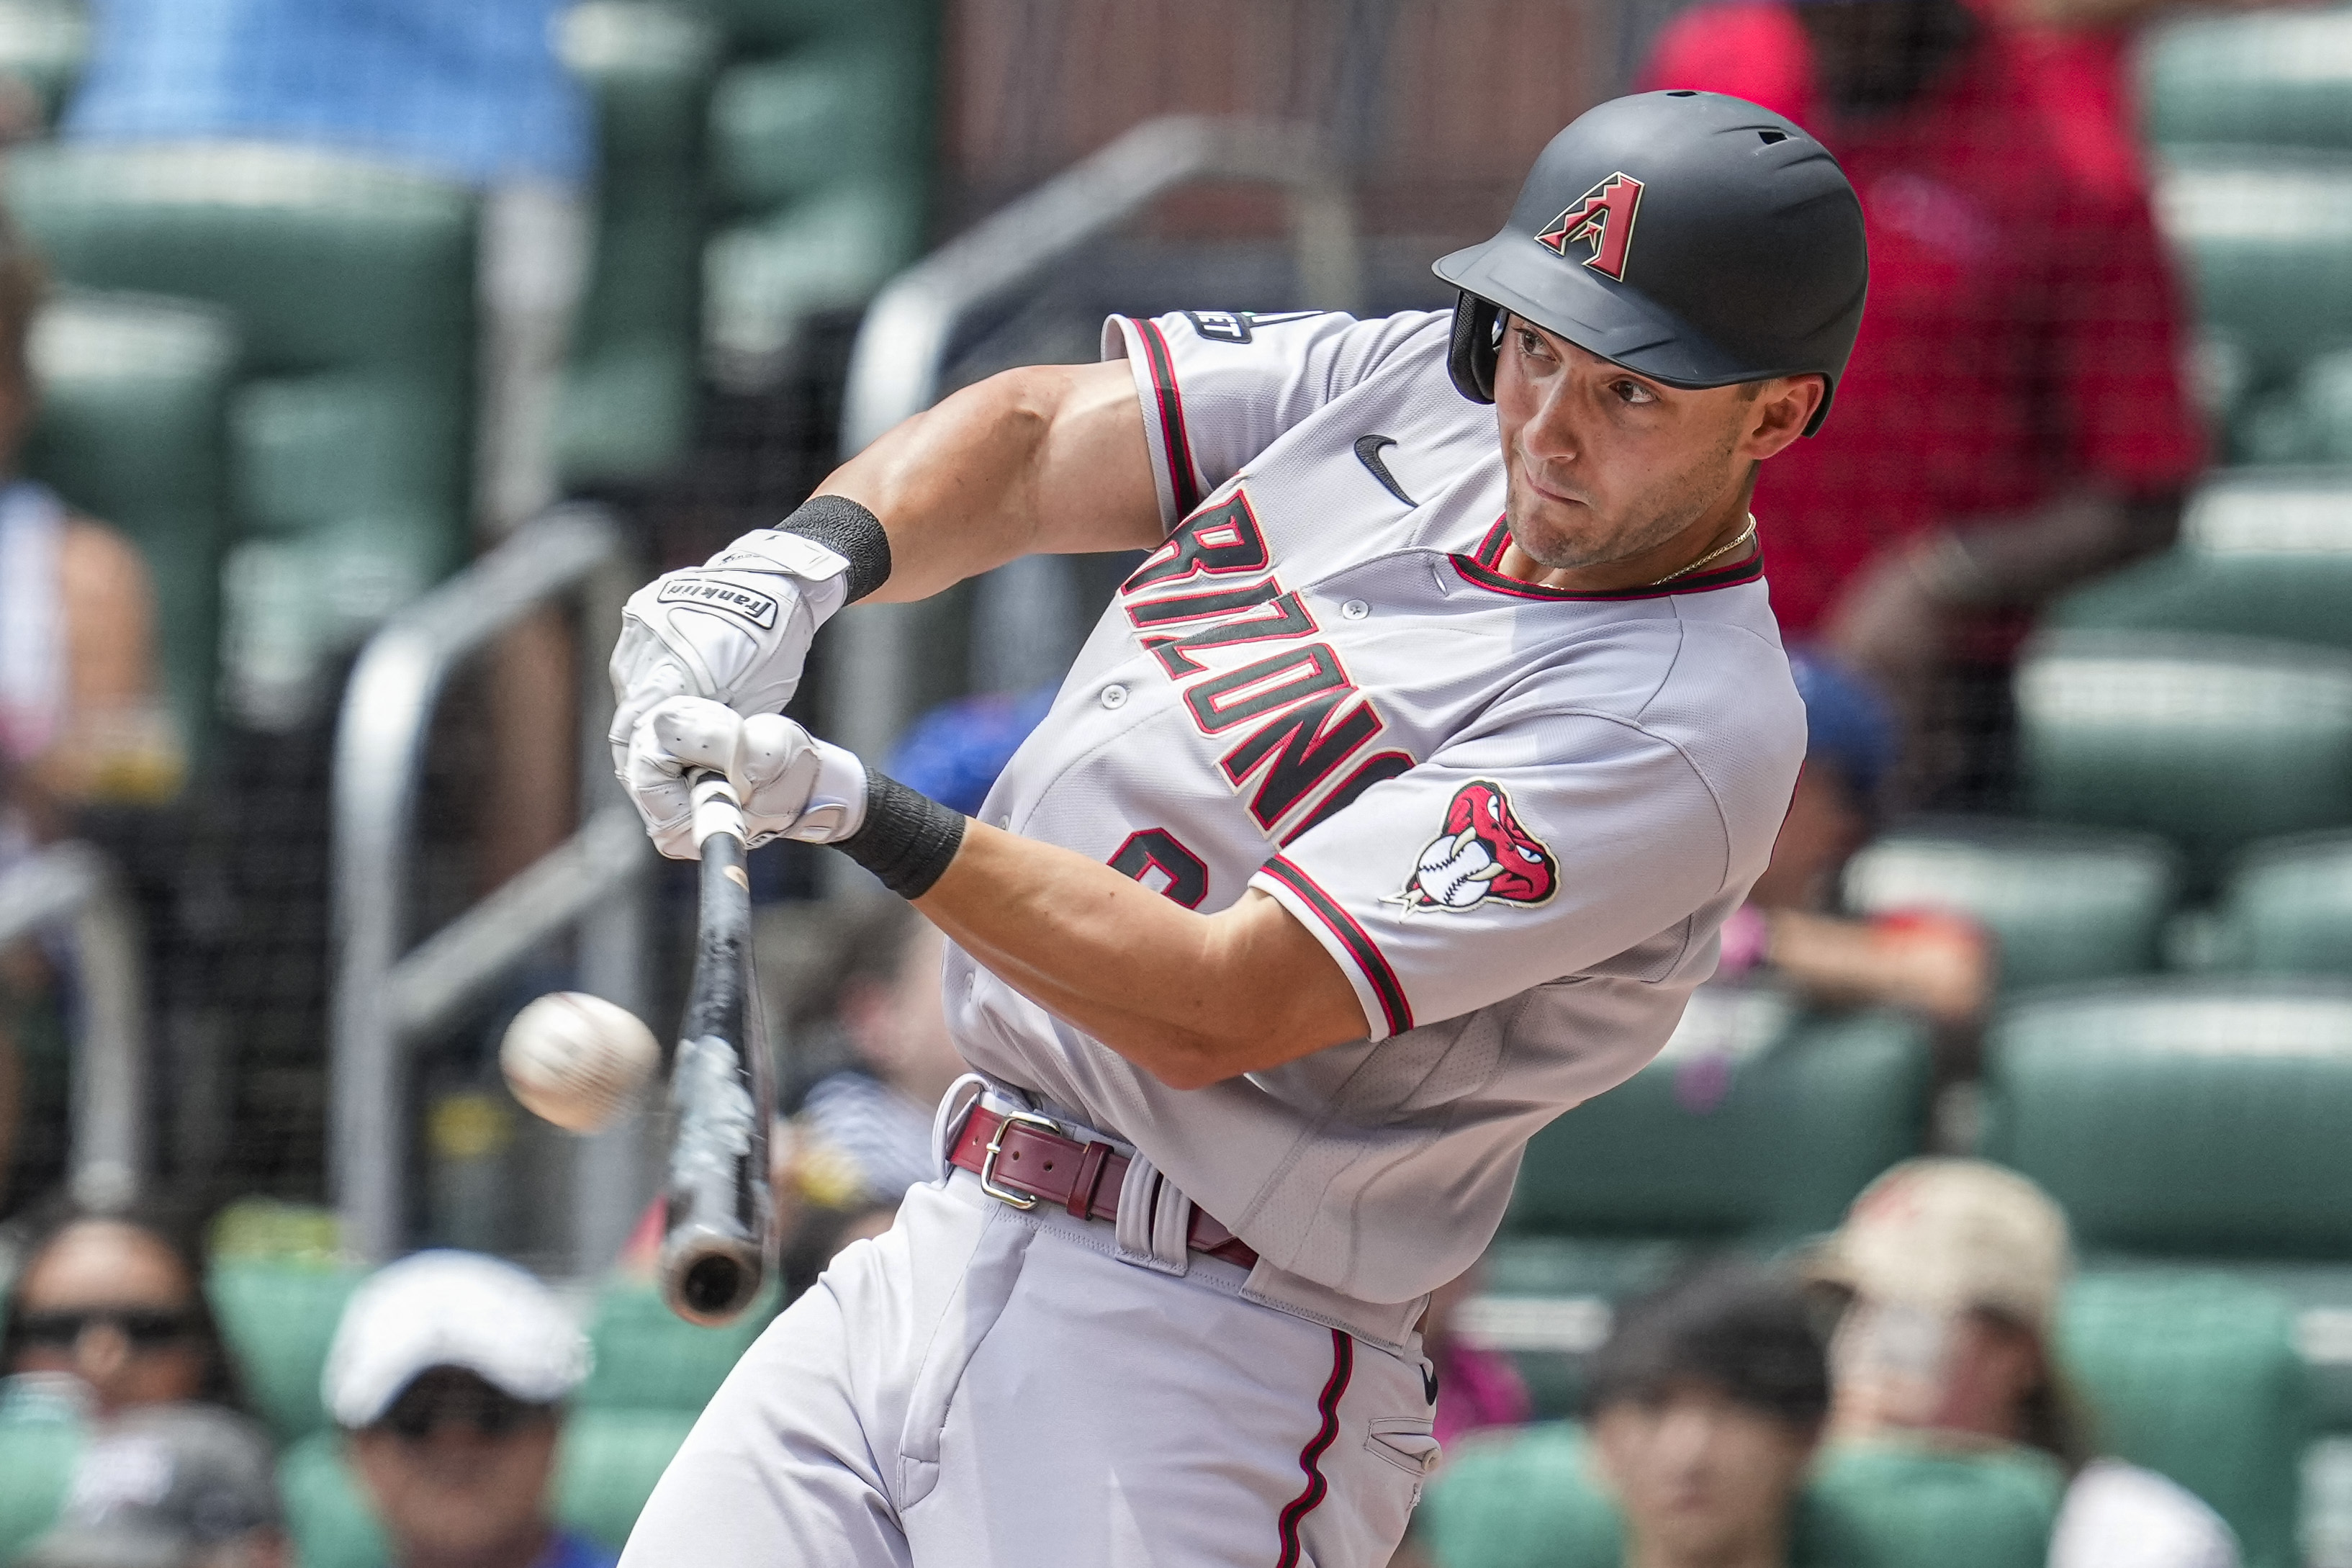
{"x":1089,"y":1177}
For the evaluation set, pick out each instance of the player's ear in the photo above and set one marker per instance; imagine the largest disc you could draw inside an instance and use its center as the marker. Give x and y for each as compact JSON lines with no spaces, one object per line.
{"x":1779,"y":411}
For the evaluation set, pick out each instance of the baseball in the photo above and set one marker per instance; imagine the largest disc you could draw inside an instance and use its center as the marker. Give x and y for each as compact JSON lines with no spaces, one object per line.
{"x":577,"y":1060}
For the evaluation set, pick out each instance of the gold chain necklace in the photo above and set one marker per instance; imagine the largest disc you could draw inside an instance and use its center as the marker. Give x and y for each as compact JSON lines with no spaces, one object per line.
{"x":1745,"y":534}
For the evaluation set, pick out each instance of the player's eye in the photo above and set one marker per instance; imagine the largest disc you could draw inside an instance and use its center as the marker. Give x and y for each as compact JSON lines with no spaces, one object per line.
{"x":1631,"y":393}
{"x":1531,"y":345}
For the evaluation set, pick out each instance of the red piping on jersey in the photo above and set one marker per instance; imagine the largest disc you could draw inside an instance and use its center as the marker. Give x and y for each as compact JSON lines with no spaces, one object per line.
{"x":1310,"y":1457}
{"x":1394,"y":1009}
{"x":1180,"y":479}
{"x":1480,"y":568}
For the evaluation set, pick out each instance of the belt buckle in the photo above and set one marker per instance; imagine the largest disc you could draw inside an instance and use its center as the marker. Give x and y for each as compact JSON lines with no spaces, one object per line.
{"x":988,"y":1182}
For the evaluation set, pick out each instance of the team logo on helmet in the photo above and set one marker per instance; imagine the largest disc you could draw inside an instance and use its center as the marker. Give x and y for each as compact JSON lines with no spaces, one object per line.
{"x":1482,"y":854}
{"x":1603,"y":219}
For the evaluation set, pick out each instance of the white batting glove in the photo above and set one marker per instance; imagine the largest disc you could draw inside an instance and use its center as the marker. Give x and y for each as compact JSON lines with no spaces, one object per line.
{"x":735,"y":629}
{"x":792,"y":785}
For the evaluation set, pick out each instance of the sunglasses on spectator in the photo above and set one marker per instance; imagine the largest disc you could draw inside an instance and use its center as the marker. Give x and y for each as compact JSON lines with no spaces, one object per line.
{"x":417,"y":1414}
{"x":146,"y":1328}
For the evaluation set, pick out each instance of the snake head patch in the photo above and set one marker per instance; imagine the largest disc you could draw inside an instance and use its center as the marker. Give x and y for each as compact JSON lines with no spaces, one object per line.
{"x":1483,"y":854}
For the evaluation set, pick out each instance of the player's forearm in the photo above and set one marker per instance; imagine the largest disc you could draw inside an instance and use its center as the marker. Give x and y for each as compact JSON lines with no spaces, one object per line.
{"x":2023,"y":560}
{"x":1192,"y":999}
{"x":1047,"y":459}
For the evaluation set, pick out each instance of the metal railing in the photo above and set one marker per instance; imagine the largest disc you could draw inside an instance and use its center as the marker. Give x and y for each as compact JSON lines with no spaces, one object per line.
{"x":903,"y":346}
{"x":73,"y":886}
{"x":388,"y":995}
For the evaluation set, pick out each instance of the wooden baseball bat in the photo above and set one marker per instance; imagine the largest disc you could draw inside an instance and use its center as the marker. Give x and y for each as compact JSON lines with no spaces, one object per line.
{"x":720,"y":1211}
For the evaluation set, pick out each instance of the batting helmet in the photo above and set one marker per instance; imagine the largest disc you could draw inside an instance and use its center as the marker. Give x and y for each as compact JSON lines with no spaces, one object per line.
{"x":1690,"y":236}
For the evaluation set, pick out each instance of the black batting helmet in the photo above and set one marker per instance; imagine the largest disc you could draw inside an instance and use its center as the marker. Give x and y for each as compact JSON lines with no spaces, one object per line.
{"x":1693,"y":237}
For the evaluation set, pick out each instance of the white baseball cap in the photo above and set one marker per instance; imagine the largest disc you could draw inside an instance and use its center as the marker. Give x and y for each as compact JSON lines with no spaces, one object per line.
{"x":450,"y":1309}
{"x":1949,"y":1234}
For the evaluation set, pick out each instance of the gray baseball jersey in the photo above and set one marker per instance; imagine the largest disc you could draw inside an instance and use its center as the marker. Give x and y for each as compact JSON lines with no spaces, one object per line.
{"x":1513,"y":815}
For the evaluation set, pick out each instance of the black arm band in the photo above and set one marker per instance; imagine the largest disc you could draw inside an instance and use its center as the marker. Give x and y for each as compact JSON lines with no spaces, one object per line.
{"x":906,"y":839}
{"x":850,"y":531}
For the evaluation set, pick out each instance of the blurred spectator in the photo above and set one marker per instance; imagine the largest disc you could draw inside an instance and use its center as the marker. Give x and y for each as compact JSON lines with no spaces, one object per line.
{"x":471,"y":91}
{"x":2015,"y":419}
{"x":1705,"y":1408}
{"x":954,"y":752}
{"x":170,"y":1485}
{"x":449,"y":1374}
{"x":1476,"y":1387}
{"x":1938,"y":964}
{"x":115,"y":1302}
{"x":79,"y":715}
{"x":1956,"y":1268}
{"x":863,"y":1135}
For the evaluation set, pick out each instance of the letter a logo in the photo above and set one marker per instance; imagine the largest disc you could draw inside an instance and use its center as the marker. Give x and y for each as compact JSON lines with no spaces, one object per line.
{"x":1603,"y":219}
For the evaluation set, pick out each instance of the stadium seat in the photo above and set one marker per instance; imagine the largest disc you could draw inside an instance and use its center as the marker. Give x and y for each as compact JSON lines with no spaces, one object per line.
{"x":2066,"y":904}
{"x":352,"y":287}
{"x":820,"y":148}
{"x":2270,"y":79}
{"x":1754,"y":1127}
{"x":2212,"y":741}
{"x":2286,"y":908}
{"x":43,"y":45}
{"x":650,"y":1359}
{"x":2195,"y":1376}
{"x":2269,"y":237}
{"x":278,"y":1319}
{"x":133,"y":390}
{"x":604,"y":1470}
{"x":2194,"y":1123}
{"x":1529,"y":1500}
{"x":628,"y":403}
{"x":2263,"y":553}
{"x":39,"y":1442}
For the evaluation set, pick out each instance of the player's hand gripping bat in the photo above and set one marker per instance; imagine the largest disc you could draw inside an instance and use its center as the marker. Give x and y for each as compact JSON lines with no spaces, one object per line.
{"x":720,"y":1214}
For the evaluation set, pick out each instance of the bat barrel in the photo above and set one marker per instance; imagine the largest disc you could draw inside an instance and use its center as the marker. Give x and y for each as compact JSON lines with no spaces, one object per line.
{"x":720,"y":1210}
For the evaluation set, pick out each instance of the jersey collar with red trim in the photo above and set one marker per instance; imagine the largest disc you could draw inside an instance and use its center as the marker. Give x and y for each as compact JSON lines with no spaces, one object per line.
{"x":1480,"y":568}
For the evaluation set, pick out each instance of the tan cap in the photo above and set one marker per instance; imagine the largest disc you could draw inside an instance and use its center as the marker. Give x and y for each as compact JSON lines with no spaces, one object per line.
{"x":1951,"y":1234}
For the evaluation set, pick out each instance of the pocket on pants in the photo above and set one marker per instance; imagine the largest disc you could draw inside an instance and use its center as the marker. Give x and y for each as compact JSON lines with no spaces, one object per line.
{"x":1406,"y":1441}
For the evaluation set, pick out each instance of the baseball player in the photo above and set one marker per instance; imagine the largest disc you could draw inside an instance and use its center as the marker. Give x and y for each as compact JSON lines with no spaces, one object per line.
{"x":1389,"y":812}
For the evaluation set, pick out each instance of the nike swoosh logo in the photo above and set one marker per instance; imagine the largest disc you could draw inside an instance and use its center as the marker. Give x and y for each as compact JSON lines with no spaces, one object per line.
{"x":1429,"y":1383}
{"x":1368,"y":452}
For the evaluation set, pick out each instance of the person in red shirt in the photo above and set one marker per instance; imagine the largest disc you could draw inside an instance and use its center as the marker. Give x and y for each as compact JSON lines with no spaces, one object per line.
{"x":2016,"y":417}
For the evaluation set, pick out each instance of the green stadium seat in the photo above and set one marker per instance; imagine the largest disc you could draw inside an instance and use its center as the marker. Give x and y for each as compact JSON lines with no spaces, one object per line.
{"x":133,"y":392}
{"x":604,"y":1470}
{"x":278,"y":1319}
{"x":2195,"y":1376}
{"x":820,"y":148}
{"x":1754,"y":1128}
{"x":1529,"y":1500}
{"x":2270,"y":79}
{"x":628,"y":403}
{"x":608,"y":1464}
{"x":2066,"y":904}
{"x":2194,"y":1123}
{"x":647,"y":1358}
{"x":2182,"y":1117}
{"x":2269,"y":239}
{"x":2212,"y":741}
{"x":329,"y":1520}
{"x":2263,"y":553}
{"x":352,"y":287}
{"x":2286,"y":908}
{"x":43,"y":46}
{"x":39,"y":1442}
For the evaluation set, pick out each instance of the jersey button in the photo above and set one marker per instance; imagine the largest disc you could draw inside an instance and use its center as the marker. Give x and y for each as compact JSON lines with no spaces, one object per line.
{"x":1114,"y":696}
{"x":1355,"y":609}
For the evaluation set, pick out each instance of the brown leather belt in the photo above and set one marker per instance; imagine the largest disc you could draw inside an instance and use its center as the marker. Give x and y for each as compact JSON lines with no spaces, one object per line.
{"x":1025,"y":1160}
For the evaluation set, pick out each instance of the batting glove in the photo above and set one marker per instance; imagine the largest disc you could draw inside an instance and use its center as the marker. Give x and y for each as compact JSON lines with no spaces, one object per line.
{"x":793,"y":785}
{"x":736,"y":630}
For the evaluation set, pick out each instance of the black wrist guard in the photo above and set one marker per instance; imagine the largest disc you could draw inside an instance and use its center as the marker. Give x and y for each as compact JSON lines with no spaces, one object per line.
{"x":850,"y":531}
{"x":906,"y":839}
